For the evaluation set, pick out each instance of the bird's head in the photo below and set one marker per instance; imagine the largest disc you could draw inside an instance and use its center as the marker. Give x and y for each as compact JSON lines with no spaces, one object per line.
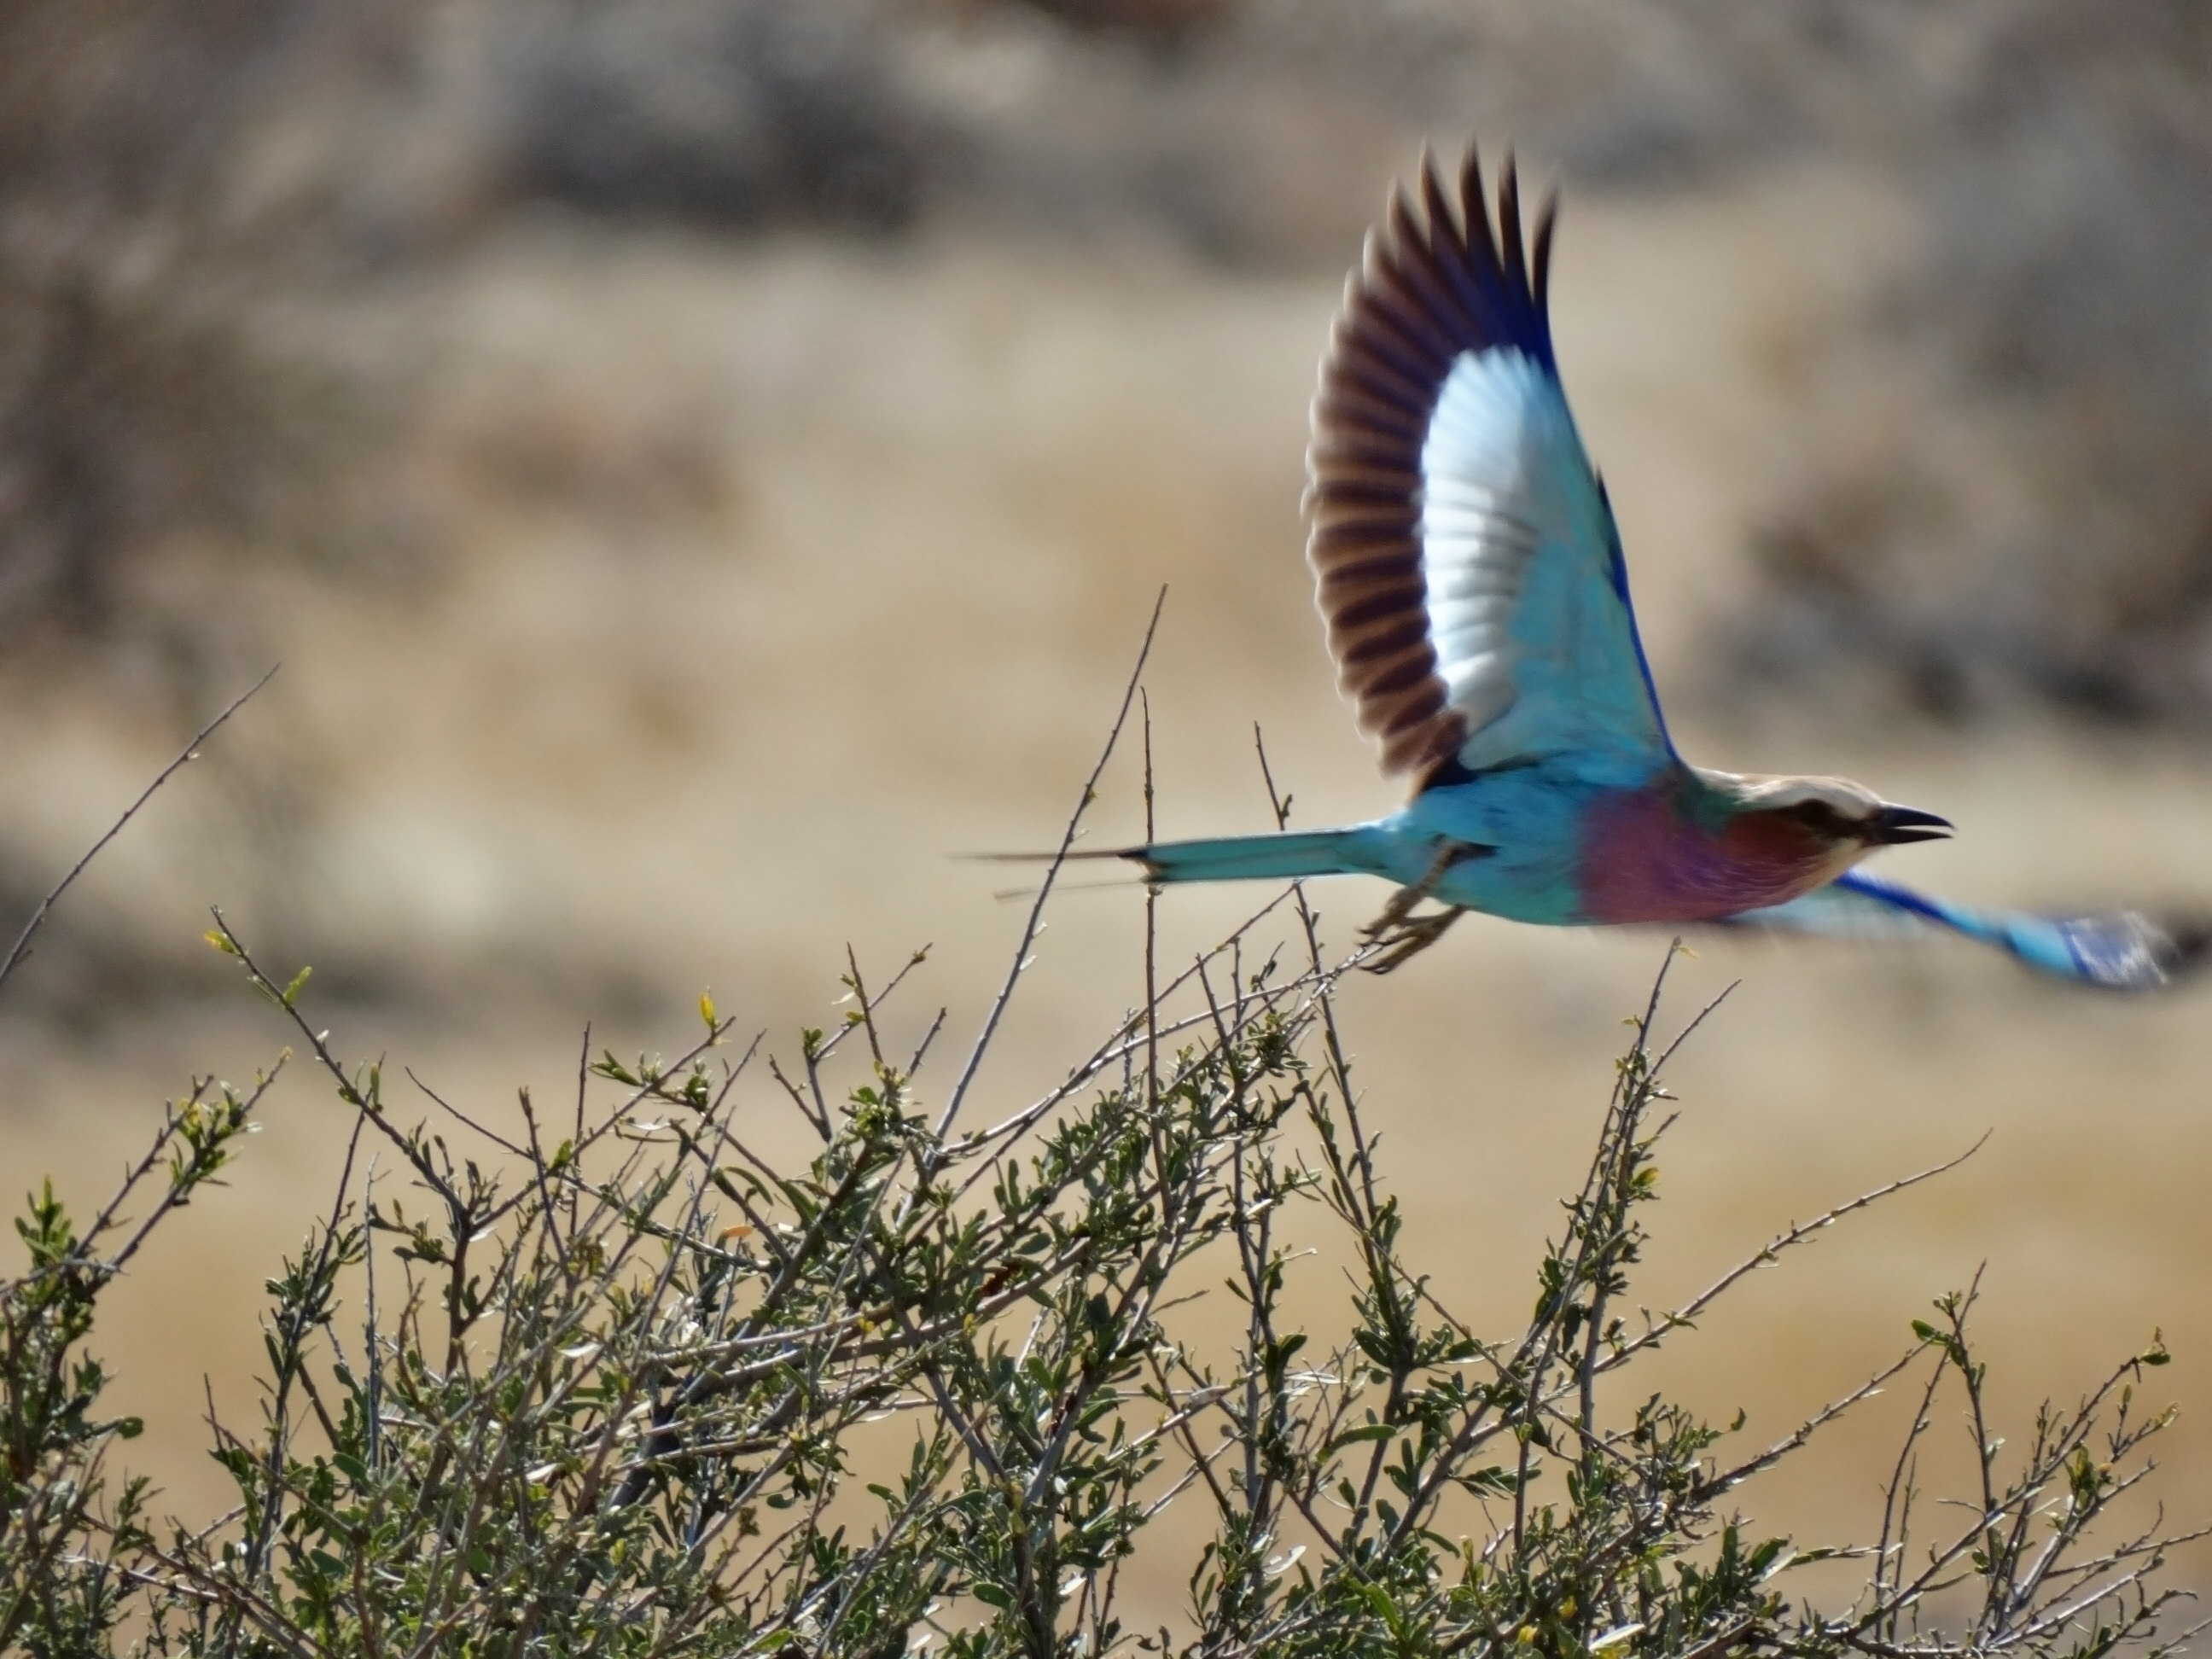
{"x":1849,"y":821}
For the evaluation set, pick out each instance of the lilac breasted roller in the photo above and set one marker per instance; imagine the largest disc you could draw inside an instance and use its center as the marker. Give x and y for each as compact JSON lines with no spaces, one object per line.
{"x":1471,"y":578}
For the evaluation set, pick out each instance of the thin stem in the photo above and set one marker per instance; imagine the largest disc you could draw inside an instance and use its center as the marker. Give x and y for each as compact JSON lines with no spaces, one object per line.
{"x":1030,"y":928}
{"x":188,"y":754}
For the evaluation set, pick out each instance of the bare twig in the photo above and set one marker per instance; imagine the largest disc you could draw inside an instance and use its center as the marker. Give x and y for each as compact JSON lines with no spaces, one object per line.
{"x":188,"y":754}
{"x":1036,"y":922}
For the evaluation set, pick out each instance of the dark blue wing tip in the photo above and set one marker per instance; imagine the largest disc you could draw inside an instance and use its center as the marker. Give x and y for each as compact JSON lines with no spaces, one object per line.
{"x":1510,"y":271}
{"x":2127,"y":952}
{"x":2132,"y":951}
{"x":2189,"y":944}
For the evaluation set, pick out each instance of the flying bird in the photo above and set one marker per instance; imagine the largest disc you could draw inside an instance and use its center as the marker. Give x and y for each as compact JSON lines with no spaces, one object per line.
{"x":1471,"y":577}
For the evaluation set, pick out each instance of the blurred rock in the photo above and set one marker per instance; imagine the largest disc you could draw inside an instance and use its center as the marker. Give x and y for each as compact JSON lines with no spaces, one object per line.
{"x":735,"y":116}
{"x":2021,"y":509}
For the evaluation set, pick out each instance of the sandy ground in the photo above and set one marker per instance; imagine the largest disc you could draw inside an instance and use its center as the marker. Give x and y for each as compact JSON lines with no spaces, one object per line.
{"x":787,"y":573}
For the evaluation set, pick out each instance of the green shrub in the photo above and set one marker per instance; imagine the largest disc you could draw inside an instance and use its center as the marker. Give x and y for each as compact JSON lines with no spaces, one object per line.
{"x":621,"y":1397}
{"x":634,"y":1389}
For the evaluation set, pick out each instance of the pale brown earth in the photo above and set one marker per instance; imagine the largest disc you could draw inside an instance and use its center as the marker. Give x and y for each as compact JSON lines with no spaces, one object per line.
{"x":791,"y":570}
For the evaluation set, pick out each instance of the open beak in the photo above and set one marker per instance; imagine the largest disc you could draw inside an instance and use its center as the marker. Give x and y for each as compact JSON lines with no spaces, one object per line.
{"x":1893,"y":826}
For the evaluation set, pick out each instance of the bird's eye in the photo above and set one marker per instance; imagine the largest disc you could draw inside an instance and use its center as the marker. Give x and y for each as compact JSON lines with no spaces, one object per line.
{"x":1819,"y":815}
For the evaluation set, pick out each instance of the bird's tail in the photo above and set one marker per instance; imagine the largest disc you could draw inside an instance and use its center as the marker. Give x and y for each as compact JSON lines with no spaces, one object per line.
{"x":1256,"y":858}
{"x":1284,"y":857}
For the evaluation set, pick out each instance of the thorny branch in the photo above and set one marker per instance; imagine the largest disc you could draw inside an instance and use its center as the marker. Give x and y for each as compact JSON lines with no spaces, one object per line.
{"x":648,"y":1389}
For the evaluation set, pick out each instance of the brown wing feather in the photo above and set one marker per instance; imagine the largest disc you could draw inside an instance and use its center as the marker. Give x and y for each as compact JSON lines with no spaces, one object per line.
{"x":1406,"y":318}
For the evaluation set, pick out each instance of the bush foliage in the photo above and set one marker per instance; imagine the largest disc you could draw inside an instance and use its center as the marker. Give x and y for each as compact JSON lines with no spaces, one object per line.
{"x":608,"y":1380}
{"x":635,"y":1389}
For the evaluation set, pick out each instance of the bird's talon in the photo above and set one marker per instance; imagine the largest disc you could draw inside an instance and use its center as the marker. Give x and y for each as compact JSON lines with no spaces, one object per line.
{"x":1402,"y":937}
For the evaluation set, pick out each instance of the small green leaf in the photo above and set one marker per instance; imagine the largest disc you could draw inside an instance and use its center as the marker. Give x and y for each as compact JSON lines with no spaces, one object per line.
{"x":1367,"y":1432}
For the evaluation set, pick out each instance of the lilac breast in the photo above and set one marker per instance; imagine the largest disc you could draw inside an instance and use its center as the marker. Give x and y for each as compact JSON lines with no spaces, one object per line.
{"x":1643,"y":858}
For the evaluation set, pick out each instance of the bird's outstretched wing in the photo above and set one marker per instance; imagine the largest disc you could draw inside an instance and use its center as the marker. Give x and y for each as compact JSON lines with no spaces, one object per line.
{"x":2122,"y":951}
{"x":1466,"y":557}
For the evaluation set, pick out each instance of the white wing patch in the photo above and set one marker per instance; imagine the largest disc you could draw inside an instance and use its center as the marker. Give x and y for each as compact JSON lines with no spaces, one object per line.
{"x":1477,"y":535}
{"x":1535,"y":646}
{"x":1465,"y":561}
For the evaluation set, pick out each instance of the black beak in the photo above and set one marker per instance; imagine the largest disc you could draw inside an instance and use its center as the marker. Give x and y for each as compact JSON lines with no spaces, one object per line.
{"x":1893,"y":826}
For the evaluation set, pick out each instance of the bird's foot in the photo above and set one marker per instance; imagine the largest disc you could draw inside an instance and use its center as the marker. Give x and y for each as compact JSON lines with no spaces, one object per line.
{"x":1397,"y":937}
{"x":1397,"y":933}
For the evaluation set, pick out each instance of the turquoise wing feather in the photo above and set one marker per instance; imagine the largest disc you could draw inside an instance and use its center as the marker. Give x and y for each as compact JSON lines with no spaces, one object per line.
{"x":1466,"y":557}
{"x":2120,"y":951}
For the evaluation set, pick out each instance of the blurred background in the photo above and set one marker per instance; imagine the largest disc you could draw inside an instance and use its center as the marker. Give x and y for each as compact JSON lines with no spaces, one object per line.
{"x":701,"y":465}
